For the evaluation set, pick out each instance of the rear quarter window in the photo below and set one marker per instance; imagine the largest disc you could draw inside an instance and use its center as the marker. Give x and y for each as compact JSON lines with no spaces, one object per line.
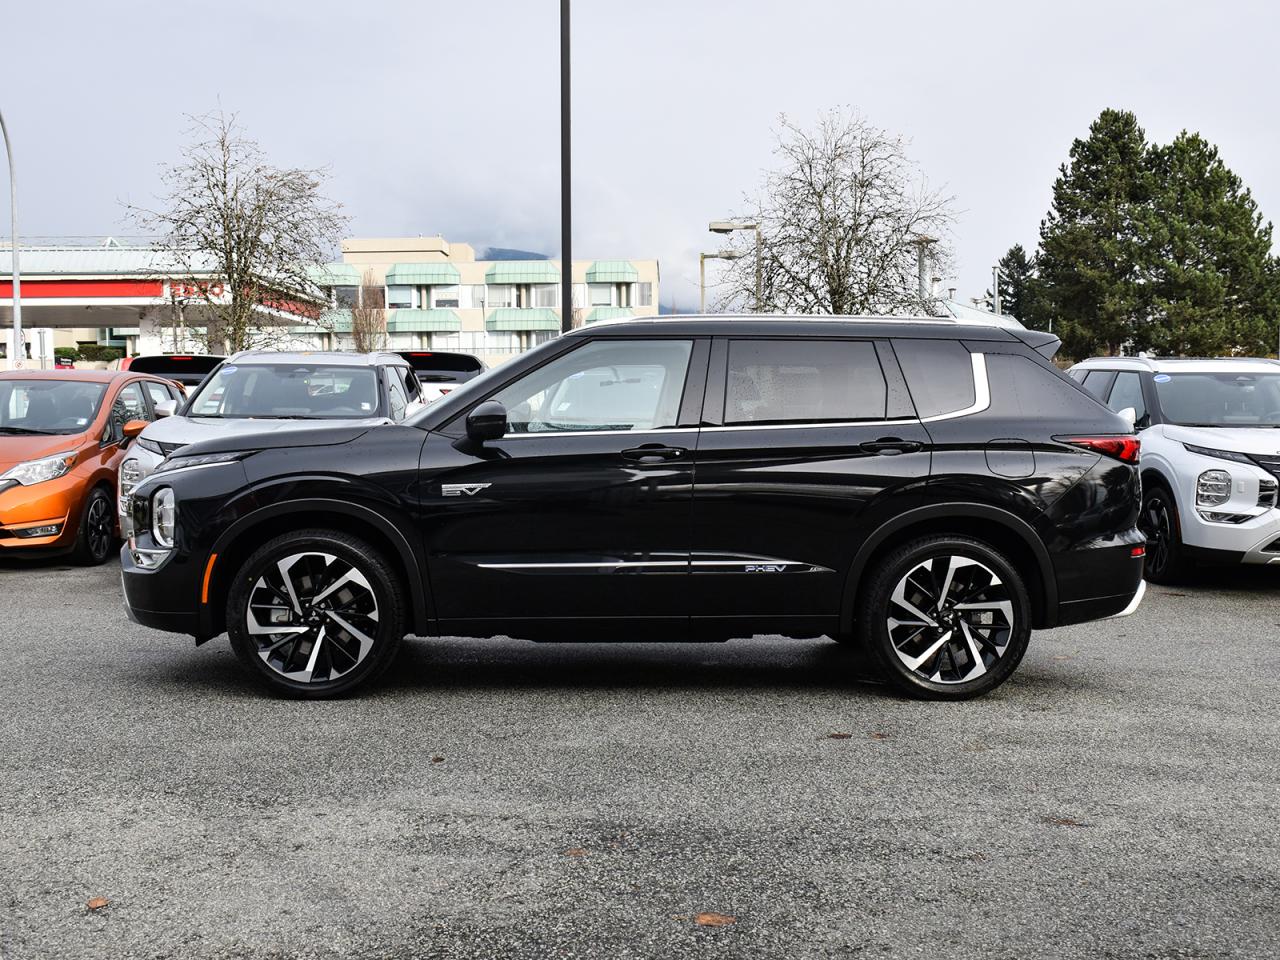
{"x":939,"y":375}
{"x":1023,"y":388}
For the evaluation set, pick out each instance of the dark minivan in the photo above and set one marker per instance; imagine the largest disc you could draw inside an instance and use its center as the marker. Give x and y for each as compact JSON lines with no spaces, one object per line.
{"x":929,"y":490}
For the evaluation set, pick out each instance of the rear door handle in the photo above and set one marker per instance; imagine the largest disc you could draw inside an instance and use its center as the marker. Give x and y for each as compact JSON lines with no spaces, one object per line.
{"x":653,"y":453}
{"x":890,"y":446}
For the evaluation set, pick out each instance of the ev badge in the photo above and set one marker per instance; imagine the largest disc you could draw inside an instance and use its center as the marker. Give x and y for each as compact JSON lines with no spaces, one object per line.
{"x":459,"y":489}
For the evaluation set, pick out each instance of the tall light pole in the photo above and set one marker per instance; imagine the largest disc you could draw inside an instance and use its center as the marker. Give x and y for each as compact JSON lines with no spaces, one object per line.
{"x":728,"y":226}
{"x":18,"y":346}
{"x":566,"y":181}
{"x":702,"y":273}
{"x":995,"y":290}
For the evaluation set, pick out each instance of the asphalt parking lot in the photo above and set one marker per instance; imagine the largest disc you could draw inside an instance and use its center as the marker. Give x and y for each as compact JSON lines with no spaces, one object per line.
{"x":1118,"y":798}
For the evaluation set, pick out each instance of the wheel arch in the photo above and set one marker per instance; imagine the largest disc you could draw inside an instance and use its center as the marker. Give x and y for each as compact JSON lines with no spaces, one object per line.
{"x":999,"y":528}
{"x":244,"y":536}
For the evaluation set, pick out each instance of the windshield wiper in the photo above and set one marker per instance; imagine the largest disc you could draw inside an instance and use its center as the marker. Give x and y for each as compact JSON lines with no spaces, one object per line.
{"x":27,"y":431}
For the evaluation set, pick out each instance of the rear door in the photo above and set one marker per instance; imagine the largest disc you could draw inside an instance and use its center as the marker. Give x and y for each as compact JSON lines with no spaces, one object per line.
{"x":806,"y":445}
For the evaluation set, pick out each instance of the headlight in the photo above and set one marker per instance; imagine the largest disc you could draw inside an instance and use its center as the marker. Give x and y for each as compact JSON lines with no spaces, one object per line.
{"x":175,"y":462}
{"x":37,"y":471}
{"x":1213,"y":488}
{"x":1219,"y":454}
{"x":130,"y":476}
{"x":151,"y":445}
{"x":164,"y":516}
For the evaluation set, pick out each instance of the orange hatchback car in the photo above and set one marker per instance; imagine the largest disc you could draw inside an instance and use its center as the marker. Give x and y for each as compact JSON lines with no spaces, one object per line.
{"x":63,"y":434}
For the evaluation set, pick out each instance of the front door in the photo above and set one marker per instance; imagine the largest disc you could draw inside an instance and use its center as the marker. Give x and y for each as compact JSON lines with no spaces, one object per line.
{"x":577,"y":521}
{"x":807,"y":445}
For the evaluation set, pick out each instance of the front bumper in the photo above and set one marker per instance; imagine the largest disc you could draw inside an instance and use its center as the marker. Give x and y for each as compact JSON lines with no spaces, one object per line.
{"x":52,"y":503}
{"x":154,"y":598}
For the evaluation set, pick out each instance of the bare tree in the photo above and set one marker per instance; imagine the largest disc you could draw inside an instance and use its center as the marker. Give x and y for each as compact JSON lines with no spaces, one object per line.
{"x":842,"y":218}
{"x":243,"y":235}
{"x":368,"y":317}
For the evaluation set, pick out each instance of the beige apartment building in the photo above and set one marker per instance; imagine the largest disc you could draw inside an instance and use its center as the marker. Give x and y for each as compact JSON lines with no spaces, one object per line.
{"x":437,"y":295}
{"x":432,"y":294}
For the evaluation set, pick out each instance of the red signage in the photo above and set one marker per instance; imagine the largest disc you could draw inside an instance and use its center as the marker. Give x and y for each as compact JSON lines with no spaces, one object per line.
{"x":49,"y":289}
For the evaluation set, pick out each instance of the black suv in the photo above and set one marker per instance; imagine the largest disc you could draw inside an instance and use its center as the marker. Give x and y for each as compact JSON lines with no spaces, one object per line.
{"x":927,"y":489}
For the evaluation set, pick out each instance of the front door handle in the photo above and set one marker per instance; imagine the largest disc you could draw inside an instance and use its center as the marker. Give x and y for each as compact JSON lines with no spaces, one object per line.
{"x":653,"y":453}
{"x":890,"y":446}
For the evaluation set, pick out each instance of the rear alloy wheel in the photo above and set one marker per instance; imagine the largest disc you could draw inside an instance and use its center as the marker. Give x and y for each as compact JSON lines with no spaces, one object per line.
{"x":946,"y":618}
{"x":316,"y":613}
{"x":97,"y":530}
{"x":1158,"y":521}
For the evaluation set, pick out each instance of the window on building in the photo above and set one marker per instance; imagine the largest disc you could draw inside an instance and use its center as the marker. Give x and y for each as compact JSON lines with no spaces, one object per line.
{"x":600,"y":294}
{"x":499,"y":295}
{"x":445,"y":296}
{"x":644,"y":294}
{"x":474,"y":295}
{"x":546,"y":295}
{"x":400,"y":297}
{"x":346,"y":297}
{"x":791,"y":381}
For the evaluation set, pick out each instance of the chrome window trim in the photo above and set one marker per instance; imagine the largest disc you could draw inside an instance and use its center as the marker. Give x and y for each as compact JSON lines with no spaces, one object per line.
{"x":598,"y":433}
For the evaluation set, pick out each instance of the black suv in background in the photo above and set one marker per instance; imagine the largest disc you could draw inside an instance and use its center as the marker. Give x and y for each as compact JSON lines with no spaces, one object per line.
{"x":927,"y":489}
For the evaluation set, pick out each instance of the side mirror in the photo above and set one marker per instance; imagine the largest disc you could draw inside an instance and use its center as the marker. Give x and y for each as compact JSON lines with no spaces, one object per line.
{"x":1130,"y":414}
{"x":133,"y":428}
{"x":166,"y":408}
{"x":488,"y":421}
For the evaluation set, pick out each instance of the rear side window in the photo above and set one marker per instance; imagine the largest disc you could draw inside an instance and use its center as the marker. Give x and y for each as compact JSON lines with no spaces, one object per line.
{"x":1097,"y":381}
{"x":803,"y":381}
{"x":1024,"y":389}
{"x":939,"y":374}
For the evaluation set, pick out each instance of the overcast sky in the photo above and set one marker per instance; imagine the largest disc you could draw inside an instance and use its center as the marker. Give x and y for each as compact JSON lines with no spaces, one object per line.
{"x":442,"y":117}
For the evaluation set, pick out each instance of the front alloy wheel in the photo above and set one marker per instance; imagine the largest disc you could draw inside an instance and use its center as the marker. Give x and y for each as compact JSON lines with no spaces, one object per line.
{"x":316,"y":613}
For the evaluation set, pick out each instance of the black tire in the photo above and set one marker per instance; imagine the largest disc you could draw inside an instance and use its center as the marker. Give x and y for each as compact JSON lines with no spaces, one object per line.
{"x":354,"y":599}
{"x":1166,"y":561}
{"x":980,"y":584}
{"x":97,"y":533}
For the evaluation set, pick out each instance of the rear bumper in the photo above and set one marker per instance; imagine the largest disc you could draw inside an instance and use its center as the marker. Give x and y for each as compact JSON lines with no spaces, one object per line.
{"x":1101,"y":580}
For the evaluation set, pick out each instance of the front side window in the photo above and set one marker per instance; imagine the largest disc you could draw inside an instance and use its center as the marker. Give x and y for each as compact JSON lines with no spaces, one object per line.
{"x":1220,"y":399}
{"x":129,"y":405}
{"x":158,"y":392}
{"x":1127,"y":392}
{"x":803,"y":381}
{"x":288,"y":391}
{"x":396,"y":395}
{"x":48,"y":406}
{"x":939,"y":375}
{"x":605,"y":385}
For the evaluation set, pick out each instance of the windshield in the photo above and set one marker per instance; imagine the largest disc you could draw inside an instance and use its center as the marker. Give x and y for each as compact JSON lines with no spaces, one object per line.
{"x":290,"y":391}
{"x":1220,"y":399}
{"x":48,"y":406}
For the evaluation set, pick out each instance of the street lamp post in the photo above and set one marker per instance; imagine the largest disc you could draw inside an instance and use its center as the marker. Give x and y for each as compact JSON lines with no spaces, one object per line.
{"x":18,"y":346}
{"x":566,"y":181}
{"x":702,"y":273}
{"x":728,"y":227}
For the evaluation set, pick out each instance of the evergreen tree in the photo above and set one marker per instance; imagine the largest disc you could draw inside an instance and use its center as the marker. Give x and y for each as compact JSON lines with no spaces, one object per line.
{"x":1092,"y":241}
{"x":1016,"y":273}
{"x":1215,"y":287}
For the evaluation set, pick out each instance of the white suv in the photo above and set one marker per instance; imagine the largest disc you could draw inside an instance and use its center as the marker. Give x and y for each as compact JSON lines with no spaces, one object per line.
{"x":1210,"y":433}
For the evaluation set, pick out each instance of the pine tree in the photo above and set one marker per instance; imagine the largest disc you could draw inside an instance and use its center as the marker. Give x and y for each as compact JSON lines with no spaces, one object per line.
{"x":1016,"y":273}
{"x":1215,"y":287}
{"x":1091,"y":242}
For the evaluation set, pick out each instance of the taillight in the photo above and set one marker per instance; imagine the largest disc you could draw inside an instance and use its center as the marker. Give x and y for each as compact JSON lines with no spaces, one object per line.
{"x":444,"y":390}
{"x":1124,"y":449}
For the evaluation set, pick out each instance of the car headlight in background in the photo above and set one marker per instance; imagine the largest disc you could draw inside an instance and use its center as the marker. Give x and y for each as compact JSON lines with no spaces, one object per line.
{"x":175,"y":462}
{"x":38,"y":471}
{"x":151,"y":445}
{"x":1218,"y":454}
{"x":164,"y":516}
{"x":1213,"y":488}
{"x":131,"y":475}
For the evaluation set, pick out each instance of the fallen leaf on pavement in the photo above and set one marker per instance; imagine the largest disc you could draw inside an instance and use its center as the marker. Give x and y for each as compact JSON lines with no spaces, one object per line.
{"x":839,"y":736}
{"x":97,"y":903}
{"x":437,"y":759}
{"x":575,"y":852}
{"x":877,"y":735}
{"x":714,"y":920}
